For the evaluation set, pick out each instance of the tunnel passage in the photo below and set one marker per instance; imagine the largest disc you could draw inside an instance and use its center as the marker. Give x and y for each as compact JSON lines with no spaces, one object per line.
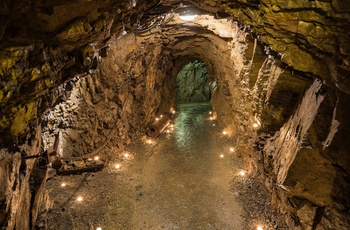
{"x":91,"y":76}
{"x":192,"y":83}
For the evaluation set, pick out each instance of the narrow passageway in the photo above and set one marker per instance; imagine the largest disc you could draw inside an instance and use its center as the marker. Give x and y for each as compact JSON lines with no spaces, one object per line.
{"x":186,"y":183}
{"x":185,"y":179}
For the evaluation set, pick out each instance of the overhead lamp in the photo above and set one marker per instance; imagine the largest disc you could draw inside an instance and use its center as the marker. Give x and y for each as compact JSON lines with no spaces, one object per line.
{"x":187,"y":17}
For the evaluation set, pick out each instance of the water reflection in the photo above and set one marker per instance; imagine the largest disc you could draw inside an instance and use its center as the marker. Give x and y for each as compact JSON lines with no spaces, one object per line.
{"x":189,"y":122}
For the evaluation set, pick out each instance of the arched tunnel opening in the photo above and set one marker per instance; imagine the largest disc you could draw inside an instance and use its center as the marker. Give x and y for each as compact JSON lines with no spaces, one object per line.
{"x":192,"y":83}
{"x":98,"y":130}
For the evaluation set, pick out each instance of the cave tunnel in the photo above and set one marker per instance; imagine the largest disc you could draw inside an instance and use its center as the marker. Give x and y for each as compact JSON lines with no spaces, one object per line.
{"x":93,"y":137}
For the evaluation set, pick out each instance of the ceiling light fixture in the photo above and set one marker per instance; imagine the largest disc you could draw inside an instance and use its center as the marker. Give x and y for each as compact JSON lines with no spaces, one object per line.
{"x":187,"y":17}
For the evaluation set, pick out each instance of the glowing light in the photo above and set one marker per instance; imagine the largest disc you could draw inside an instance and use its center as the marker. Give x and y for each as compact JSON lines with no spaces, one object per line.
{"x":173,"y":112}
{"x":222,"y":156}
{"x":99,"y":228}
{"x":157,"y":118}
{"x":213,"y":124}
{"x":224,"y":132}
{"x":171,"y":126}
{"x":63,"y":185}
{"x":255,"y":125}
{"x":96,"y":158}
{"x":161,"y":115}
{"x":168,"y":131}
{"x":187,"y":17}
{"x":210,"y":112}
{"x":242,"y":173}
{"x":149,"y":141}
{"x":211,"y":118}
{"x":232,"y":149}
{"x":117,"y":166}
{"x":259,"y":228}
{"x":126,"y":155}
{"x":79,"y":199}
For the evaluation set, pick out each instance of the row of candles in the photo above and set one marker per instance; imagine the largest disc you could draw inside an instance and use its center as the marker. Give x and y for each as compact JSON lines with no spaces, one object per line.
{"x":241,"y":173}
{"x":150,"y":141}
{"x":125,"y":157}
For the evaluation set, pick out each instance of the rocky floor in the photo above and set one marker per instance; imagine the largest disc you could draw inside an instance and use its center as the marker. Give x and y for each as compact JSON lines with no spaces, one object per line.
{"x":188,"y":178}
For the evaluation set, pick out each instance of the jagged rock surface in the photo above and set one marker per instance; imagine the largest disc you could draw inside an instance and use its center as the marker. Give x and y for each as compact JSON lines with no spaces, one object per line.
{"x":55,"y":76}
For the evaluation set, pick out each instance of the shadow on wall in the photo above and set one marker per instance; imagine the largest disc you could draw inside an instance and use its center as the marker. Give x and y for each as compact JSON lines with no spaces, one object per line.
{"x":192,"y":83}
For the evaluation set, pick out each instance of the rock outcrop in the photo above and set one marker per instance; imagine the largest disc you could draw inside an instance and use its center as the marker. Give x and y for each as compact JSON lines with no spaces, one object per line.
{"x":85,"y":74}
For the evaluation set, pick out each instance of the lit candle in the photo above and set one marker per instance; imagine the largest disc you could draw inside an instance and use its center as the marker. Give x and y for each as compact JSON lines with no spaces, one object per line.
{"x":126,"y":155}
{"x":157,"y":118}
{"x":224,"y":132}
{"x":117,"y":166}
{"x":222,"y":156}
{"x":161,"y":115}
{"x":149,"y":141}
{"x":96,"y":158}
{"x":232,"y":149}
{"x":210,"y":112}
{"x":79,"y":199}
{"x":242,"y":173}
{"x":63,"y":185}
{"x":211,"y":118}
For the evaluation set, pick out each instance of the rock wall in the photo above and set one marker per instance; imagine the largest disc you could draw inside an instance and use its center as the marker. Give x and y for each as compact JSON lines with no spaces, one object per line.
{"x":265,"y":70}
{"x":192,"y":83}
{"x":117,"y":101}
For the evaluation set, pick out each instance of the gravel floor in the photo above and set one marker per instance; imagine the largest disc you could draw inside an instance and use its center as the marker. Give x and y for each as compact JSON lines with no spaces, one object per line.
{"x":188,"y":178}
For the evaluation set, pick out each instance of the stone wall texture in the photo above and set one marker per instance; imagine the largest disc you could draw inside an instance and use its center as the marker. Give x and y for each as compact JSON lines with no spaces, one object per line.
{"x":88,"y":74}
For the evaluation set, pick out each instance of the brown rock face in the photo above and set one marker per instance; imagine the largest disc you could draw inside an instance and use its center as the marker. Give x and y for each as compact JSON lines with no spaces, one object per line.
{"x":86,"y":76}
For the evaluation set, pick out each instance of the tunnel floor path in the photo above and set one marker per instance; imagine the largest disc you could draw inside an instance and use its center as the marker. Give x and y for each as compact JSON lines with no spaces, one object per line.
{"x":188,"y":178}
